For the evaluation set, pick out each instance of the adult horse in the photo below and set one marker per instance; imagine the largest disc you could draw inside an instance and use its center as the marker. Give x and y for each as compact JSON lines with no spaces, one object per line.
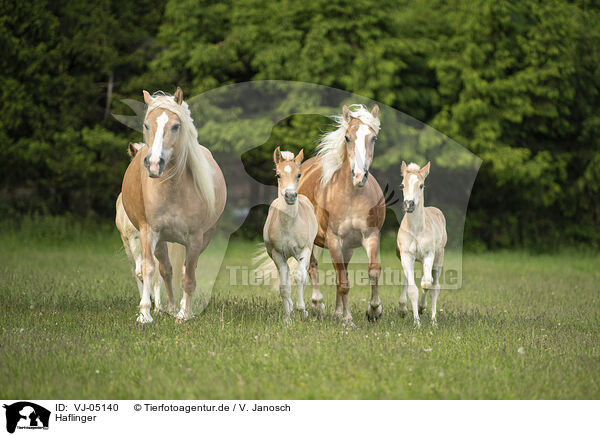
{"x":349,"y":204}
{"x":131,"y":242}
{"x":173,"y":191}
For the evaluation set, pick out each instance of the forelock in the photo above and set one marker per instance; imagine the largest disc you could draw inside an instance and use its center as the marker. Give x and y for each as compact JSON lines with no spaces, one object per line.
{"x":413,"y":168}
{"x":361,"y":112}
{"x":287,"y":155}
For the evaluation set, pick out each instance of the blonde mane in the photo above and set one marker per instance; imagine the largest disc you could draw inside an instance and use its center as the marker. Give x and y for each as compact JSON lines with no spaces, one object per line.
{"x":413,"y":168}
{"x":287,"y":155}
{"x":191,"y":153}
{"x":332,"y":147}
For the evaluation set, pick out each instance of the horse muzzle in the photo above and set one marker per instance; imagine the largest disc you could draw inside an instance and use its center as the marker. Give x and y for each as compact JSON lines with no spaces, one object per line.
{"x":290,"y":197}
{"x":359,"y":178}
{"x":409,"y":206}
{"x":155,"y":169}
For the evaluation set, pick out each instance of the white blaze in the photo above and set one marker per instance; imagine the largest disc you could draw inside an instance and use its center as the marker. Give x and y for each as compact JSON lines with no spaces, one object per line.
{"x":287,"y":169}
{"x":360,"y":148}
{"x":157,"y":144}
{"x":412,"y":181}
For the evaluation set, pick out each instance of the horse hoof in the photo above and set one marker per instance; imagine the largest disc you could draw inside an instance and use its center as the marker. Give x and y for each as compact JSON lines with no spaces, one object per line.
{"x":375,"y":314}
{"x":403,"y":312}
{"x":144,"y":318}
{"x":181,"y":317}
{"x":422,"y":310}
{"x":303,"y":313}
{"x":318,"y":309}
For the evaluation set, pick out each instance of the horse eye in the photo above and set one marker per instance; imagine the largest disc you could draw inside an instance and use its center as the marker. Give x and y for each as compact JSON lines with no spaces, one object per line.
{"x":175,"y":127}
{"x":401,"y":186}
{"x":146,"y":126}
{"x":278,"y":175}
{"x":299,"y":175}
{"x":347,"y":138}
{"x":421,"y":186}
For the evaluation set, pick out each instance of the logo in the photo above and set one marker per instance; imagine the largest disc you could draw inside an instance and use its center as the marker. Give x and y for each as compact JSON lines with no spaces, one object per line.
{"x":26,"y":415}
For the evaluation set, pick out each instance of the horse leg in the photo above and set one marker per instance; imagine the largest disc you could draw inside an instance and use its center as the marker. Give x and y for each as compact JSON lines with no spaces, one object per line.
{"x":408,"y":265}
{"x":403,"y":299}
{"x":435,"y":290}
{"x":426,"y":281}
{"x":166,"y":272}
{"x":285,"y":289}
{"x":192,"y":253}
{"x":340,"y":263}
{"x":318,"y":306}
{"x":134,"y":254}
{"x":148,"y":241}
{"x":156,"y":285}
{"x":347,"y":255}
{"x":300,"y":276}
{"x":371,"y":245}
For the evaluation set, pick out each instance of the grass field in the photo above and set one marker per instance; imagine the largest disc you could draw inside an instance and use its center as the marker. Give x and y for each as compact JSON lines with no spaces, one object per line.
{"x":67,"y":330}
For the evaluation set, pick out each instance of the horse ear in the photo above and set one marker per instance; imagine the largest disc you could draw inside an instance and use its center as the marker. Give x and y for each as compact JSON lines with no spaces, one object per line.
{"x":300,"y":157}
{"x":277,"y":156}
{"x":375,"y":111}
{"x":147,"y":97}
{"x":178,"y":96}
{"x":346,"y":114}
{"x":425,"y":170}
{"x":403,"y":168}
{"x":131,"y":150}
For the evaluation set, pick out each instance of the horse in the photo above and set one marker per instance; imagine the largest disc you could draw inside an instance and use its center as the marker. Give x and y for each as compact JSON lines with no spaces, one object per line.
{"x":349,"y":204}
{"x":131,"y":242}
{"x":173,"y":191}
{"x":421,"y":236}
{"x":290,"y":230}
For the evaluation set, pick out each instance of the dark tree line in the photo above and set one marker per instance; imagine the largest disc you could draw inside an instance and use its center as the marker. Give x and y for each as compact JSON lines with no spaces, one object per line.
{"x":517,"y":83}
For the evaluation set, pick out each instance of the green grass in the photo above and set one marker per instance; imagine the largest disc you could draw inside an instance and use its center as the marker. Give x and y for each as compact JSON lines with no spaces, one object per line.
{"x":67,"y":330}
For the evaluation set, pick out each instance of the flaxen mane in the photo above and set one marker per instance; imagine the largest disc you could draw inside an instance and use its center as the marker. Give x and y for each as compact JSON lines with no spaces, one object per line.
{"x":413,"y":168}
{"x":191,"y":153}
{"x":332,"y":148}
{"x":287,"y":155}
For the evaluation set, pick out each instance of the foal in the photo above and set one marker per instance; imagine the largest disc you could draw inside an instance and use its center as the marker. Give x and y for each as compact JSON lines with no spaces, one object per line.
{"x":422,"y":236}
{"x":131,"y":241}
{"x":290,"y":229}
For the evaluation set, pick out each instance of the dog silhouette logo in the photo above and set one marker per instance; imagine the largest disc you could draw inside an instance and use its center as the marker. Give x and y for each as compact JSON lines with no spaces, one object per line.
{"x":26,"y":415}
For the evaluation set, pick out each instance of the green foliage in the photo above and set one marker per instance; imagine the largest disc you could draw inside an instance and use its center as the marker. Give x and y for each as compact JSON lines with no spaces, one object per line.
{"x":511,"y":89}
{"x":517,"y":83}
{"x":65,"y":153}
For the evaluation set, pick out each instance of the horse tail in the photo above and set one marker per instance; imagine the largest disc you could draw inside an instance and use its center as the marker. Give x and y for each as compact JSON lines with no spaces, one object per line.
{"x":177,"y":258}
{"x":269,"y":272}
